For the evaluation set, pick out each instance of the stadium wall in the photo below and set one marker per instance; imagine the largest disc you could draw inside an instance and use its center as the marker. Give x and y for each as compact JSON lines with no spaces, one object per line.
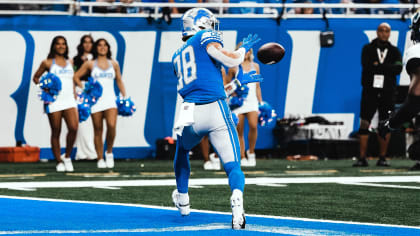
{"x":309,"y":79}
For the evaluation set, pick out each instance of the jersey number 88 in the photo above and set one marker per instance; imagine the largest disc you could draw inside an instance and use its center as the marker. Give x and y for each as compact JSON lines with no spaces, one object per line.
{"x":186,"y":69}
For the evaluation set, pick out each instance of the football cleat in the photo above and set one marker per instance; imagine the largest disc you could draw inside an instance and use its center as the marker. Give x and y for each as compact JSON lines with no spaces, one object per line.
{"x":182,"y":202}
{"x":361,"y":162}
{"x":416,"y":167}
{"x":382,"y":163}
{"x":238,"y":214}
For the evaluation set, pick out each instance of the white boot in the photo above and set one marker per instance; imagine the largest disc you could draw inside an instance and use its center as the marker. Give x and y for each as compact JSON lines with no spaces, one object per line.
{"x":182,"y":202}
{"x":109,"y":160}
{"x":60,"y":167}
{"x":245,"y":162}
{"x":67,"y":163}
{"x":101,"y":164}
{"x":215,"y":161}
{"x":208,"y":165}
{"x":252,"y":160}
{"x":238,"y":214}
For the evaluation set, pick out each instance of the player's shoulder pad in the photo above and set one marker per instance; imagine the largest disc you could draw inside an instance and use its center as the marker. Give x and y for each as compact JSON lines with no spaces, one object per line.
{"x":209,"y":36}
{"x":412,"y":52}
{"x":412,"y":65}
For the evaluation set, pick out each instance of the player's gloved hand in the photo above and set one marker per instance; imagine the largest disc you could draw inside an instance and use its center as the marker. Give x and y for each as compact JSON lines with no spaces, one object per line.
{"x":250,"y":77}
{"x":250,"y":41}
{"x":383,"y":128}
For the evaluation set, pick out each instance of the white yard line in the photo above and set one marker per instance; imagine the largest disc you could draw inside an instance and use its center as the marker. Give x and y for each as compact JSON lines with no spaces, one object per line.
{"x":204,"y":227}
{"x":383,"y":185}
{"x":206,"y":181}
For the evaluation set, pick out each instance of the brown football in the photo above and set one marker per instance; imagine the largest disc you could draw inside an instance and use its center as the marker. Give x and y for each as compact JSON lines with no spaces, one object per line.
{"x":270,"y":53}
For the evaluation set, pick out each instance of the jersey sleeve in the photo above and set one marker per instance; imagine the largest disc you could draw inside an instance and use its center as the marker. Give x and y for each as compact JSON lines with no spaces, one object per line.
{"x":210,"y":37}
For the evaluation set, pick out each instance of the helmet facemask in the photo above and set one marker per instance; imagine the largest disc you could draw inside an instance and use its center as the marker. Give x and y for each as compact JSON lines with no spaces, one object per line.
{"x":198,"y":19}
{"x":415,"y":27}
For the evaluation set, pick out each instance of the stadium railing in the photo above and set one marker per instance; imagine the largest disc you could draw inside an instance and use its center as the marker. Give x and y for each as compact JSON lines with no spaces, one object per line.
{"x":269,"y":10}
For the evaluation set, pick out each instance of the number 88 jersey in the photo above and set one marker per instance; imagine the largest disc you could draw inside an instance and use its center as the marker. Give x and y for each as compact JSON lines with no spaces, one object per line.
{"x":199,"y":76}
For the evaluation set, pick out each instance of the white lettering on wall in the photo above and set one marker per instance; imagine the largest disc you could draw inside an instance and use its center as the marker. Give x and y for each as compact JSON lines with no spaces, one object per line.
{"x":12,"y":61}
{"x":303,"y":72}
{"x":138,"y":65}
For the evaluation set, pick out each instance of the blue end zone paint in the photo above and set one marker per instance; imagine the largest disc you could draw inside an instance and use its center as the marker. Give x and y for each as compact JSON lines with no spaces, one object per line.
{"x":24,"y":216}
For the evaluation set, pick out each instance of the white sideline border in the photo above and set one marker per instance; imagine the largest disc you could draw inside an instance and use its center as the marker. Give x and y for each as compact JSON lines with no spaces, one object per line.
{"x":207,"y":181}
{"x":206,"y":211}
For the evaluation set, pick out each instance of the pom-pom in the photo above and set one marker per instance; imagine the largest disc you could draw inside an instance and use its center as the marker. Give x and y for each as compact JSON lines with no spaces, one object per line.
{"x":235,"y":102}
{"x":242,"y":91}
{"x":84,"y":111}
{"x":266,"y":115}
{"x":92,"y":91}
{"x":125,"y":107}
{"x":51,"y":87}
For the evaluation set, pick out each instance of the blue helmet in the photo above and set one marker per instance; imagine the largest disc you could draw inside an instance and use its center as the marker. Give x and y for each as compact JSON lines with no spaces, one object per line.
{"x":415,"y":27}
{"x":197,"y":19}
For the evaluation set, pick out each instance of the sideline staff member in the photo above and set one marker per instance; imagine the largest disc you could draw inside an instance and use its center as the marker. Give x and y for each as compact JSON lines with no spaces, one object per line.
{"x":381,"y":62}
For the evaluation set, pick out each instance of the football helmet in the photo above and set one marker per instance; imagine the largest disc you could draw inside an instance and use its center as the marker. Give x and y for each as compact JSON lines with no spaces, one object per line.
{"x":197,"y":19}
{"x":415,"y":27}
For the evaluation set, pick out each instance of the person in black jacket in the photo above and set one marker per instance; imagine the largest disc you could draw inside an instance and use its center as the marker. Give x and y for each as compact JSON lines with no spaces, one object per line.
{"x":381,"y":62}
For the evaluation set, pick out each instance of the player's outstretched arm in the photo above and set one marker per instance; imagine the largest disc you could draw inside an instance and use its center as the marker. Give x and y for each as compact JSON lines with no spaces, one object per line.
{"x":229,"y":58}
{"x":250,"y":41}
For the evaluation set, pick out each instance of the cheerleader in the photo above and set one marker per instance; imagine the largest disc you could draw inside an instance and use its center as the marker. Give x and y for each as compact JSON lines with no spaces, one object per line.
{"x":84,"y":140}
{"x":105,"y":70}
{"x":65,"y":106}
{"x":248,"y":110}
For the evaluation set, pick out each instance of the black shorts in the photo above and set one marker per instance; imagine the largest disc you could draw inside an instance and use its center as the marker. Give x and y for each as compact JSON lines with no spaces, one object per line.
{"x":376,"y":99}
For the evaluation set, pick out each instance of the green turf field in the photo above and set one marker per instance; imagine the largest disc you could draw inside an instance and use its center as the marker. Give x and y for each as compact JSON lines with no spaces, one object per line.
{"x":383,"y":202}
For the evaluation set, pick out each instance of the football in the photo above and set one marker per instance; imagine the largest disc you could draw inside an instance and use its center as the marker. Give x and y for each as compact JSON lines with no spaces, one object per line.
{"x":270,"y":53}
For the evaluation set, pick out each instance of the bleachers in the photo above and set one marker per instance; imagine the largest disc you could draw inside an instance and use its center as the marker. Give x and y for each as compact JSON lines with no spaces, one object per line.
{"x":248,"y":9}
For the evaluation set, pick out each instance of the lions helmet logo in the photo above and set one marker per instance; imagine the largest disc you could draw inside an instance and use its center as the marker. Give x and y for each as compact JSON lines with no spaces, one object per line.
{"x":197,"y":19}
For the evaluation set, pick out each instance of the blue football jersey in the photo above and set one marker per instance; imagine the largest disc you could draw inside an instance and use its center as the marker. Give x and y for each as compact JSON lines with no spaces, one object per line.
{"x":199,"y":76}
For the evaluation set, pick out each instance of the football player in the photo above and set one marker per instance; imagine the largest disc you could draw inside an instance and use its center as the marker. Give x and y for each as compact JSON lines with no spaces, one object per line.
{"x":411,"y":105}
{"x":204,"y":111}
